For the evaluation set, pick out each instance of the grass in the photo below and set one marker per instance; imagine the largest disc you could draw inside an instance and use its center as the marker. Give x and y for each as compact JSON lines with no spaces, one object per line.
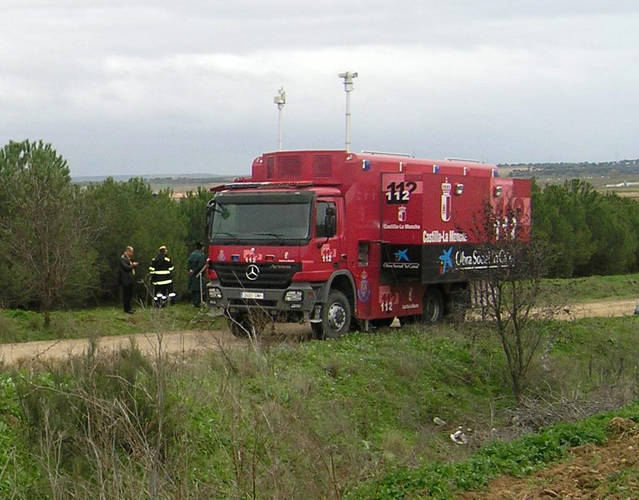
{"x":17,"y":325}
{"x":346,"y":417}
{"x":591,"y":288}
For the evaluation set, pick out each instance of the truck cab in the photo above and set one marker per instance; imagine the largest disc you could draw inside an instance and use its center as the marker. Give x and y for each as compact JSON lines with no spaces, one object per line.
{"x":274,"y":248}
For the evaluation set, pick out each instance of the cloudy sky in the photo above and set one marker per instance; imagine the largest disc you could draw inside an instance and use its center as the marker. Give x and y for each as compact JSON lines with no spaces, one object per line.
{"x":143,"y":87}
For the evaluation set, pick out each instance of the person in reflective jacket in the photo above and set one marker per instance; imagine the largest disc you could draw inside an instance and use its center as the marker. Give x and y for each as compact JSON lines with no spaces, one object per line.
{"x":161,"y":271}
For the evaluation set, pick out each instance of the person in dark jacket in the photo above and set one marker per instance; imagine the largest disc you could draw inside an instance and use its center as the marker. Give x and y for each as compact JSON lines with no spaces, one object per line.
{"x":127,"y":278}
{"x":161,"y":271}
{"x":196,"y":264}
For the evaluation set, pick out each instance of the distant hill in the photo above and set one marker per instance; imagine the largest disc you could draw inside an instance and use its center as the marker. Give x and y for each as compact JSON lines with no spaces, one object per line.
{"x":573,"y":170}
{"x":171,"y":179}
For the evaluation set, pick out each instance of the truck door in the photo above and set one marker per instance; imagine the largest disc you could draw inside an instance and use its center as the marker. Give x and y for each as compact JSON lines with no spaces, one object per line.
{"x":328,"y":231}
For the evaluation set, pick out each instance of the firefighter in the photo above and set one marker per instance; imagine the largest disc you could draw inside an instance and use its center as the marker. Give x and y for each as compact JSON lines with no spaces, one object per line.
{"x":161,"y":271}
{"x":197,"y":262}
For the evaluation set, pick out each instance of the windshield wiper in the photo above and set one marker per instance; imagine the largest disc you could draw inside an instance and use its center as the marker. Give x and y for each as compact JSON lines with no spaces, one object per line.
{"x":277,"y":236}
{"x":230,"y":235}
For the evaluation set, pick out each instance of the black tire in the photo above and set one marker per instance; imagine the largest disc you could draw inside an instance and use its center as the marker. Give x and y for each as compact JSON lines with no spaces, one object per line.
{"x":336,"y":315}
{"x":240,"y":325}
{"x":433,"y":310}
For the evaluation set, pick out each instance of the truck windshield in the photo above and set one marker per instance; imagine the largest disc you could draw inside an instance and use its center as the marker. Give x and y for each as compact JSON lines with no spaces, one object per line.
{"x":265,"y":217}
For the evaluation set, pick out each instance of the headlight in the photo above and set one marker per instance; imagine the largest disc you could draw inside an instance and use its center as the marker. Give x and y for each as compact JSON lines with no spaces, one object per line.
{"x":293,"y":296}
{"x":215,"y":293}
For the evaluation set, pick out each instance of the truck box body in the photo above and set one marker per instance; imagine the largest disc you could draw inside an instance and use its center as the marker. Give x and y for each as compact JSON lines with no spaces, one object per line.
{"x":402,"y":225}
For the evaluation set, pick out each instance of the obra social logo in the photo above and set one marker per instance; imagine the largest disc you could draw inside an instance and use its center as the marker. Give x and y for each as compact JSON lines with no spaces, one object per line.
{"x":446,"y":260}
{"x":402,"y":255}
{"x":252,"y":272}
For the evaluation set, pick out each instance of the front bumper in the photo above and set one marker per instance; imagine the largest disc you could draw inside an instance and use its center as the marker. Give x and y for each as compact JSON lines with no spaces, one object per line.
{"x":264,"y":298}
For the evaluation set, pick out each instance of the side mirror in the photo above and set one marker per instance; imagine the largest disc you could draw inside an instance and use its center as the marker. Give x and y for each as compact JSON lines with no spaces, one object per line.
{"x":210,"y":208}
{"x":330,"y":222}
{"x":214,"y":207}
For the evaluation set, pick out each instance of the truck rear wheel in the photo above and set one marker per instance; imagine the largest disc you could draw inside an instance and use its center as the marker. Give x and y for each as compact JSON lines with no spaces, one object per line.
{"x":433,"y":310}
{"x":336,"y":315}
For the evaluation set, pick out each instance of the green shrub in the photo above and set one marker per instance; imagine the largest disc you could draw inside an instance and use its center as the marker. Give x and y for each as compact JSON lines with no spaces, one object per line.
{"x":99,"y":416}
{"x":517,"y":458}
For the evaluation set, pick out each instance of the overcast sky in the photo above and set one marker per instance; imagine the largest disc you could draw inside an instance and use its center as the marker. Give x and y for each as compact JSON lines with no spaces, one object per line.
{"x":144,"y":87}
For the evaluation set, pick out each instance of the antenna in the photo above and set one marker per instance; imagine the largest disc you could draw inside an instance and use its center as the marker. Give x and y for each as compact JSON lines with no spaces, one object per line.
{"x":280,"y":100}
{"x":348,"y":88}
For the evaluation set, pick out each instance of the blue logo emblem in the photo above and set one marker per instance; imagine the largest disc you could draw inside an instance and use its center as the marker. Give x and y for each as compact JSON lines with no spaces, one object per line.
{"x":402,"y":255}
{"x":446,"y":259}
{"x":364,"y":289}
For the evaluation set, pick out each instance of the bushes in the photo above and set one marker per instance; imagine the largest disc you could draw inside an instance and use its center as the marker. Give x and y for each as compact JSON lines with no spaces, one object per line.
{"x":62,"y":243}
{"x":129,"y":213}
{"x":44,"y":232}
{"x":103,"y":425}
{"x":19,"y":474}
{"x":590,"y":233}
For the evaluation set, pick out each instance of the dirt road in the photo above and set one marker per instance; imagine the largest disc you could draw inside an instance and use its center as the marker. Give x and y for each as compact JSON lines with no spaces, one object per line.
{"x":186,"y":342}
{"x":603,"y":308}
{"x":174,"y":343}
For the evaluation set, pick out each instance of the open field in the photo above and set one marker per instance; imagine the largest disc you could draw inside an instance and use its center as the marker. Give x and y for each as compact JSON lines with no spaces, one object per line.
{"x":608,"y":177}
{"x":352,"y":417}
{"x":368,"y":415}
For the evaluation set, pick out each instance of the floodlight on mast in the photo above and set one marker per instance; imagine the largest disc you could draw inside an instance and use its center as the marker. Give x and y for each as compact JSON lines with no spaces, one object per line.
{"x":348,"y":88}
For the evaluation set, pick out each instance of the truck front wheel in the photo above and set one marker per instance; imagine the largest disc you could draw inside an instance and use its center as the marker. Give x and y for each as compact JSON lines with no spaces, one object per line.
{"x":240,"y":325}
{"x":336,"y":315}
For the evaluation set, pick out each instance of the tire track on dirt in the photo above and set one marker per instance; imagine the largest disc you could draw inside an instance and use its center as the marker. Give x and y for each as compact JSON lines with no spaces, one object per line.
{"x":189,"y":341}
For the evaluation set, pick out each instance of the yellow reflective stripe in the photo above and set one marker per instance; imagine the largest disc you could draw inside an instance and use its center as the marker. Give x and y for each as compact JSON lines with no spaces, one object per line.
{"x":161,"y":272}
{"x":151,"y":268}
{"x":171,"y":268}
{"x":165,"y":282}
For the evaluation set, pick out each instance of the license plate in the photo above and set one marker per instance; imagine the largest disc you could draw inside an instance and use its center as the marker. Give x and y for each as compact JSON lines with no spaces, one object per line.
{"x":252,"y":295}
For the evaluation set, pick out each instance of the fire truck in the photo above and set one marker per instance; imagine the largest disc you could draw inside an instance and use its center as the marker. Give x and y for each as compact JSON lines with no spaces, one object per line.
{"x":350,"y":240}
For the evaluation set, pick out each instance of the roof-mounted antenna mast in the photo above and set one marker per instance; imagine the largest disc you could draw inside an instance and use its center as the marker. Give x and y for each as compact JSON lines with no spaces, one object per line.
{"x":348,"y":88}
{"x":280,"y":100}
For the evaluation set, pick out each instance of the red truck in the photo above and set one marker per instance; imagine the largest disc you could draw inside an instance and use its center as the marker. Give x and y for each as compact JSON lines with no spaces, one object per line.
{"x":350,"y":240}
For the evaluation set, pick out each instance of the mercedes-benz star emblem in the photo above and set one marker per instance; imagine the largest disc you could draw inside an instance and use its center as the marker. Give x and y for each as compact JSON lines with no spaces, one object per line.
{"x":252,"y":272}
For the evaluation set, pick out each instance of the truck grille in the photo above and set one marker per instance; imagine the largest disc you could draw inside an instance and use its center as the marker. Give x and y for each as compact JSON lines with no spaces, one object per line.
{"x":271,"y":275}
